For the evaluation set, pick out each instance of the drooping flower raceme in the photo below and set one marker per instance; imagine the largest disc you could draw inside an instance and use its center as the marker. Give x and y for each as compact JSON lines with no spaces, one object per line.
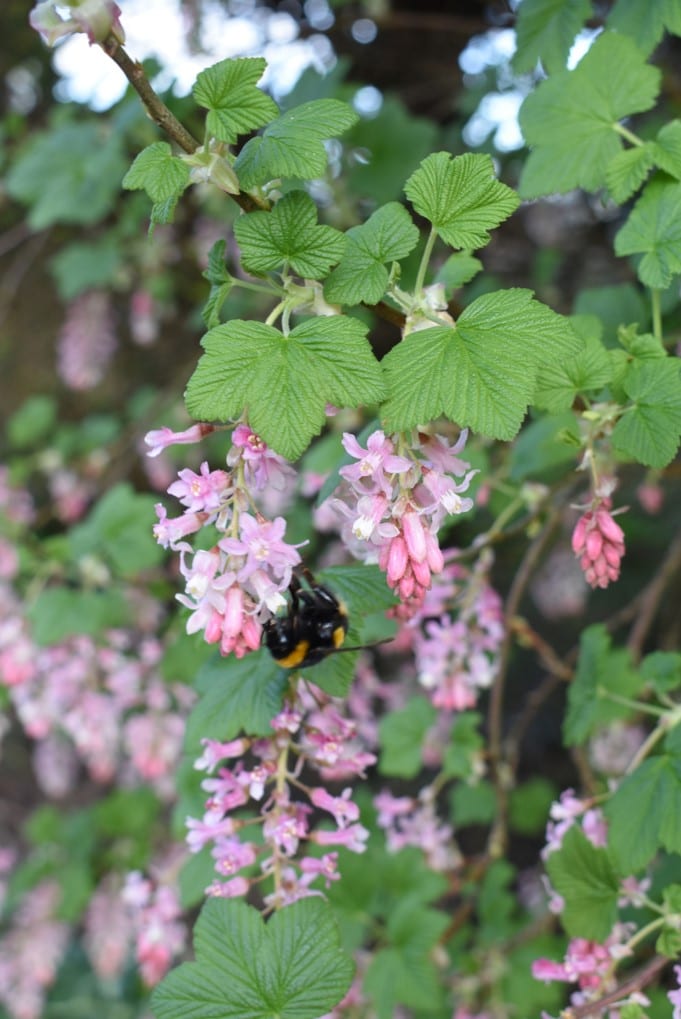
{"x":598,"y":543}
{"x":392,"y":501}
{"x":232,"y":588}
{"x":310,"y":731}
{"x":591,"y":965}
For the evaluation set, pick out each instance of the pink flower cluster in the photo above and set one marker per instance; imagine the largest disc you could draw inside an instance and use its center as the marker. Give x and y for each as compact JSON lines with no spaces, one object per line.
{"x":103,"y":703}
{"x":87,"y":341}
{"x":391,"y":504}
{"x":309,"y":732}
{"x":31,"y":952}
{"x":591,"y":966}
{"x":598,"y":543}
{"x":160,"y":936}
{"x":564,"y":813}
{"x":457,"y":634}
{"x":413,"y":821}
{"x":232,"y":588}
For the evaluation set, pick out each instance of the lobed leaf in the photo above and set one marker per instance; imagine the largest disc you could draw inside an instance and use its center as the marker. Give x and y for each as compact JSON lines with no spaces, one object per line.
{"x":585,"y":878}
{"x":388,"y":235}
{"x":559,"y":382}
{"x":480,"y":373}
{"x":546,"y":30}
{"x":461,"y":197}
{"x":645,"y":22}
{"x":290,"y":968}
{"x":627,"y":171}
{"x":653,"y":229}
{"x":644,"y":813}
{"x":158,"y":172}
{"x":570,"y":120}
{"x":600,"y":669}
{"x":292,"y":146}
{"x":284,"y":382}
{"x":289,"y":236}
{"x":650,"y":430}
{"x":228,"y":90}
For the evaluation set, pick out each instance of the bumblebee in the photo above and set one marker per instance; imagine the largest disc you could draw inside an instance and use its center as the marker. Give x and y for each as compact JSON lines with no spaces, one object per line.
{"x":315,"y":626}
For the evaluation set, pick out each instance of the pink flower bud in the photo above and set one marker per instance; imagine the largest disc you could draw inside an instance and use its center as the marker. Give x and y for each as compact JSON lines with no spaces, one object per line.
{"x":397,"y":560}
{"x":415,"y":536}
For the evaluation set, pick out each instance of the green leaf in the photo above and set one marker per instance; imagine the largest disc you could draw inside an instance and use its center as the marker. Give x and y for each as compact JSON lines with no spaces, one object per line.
{"x":480,"y":374}
{"x":529,"y":805}
{"x":404,"y":972}
{"x":599,"y":670}
{"x":117,"y":529}
{"x":644,"y":813}
{"x":460,"y":268}
{"x":197,"y":873}
{"x":667,"y":148}
{"x":543,"y":448}
{"x":33,"y":422}
{"x":473,"y":804}
{"x":69,"y":174}
{"x":388,"y":235}
{"x":80,"y":267}
{"x":292,"y":146}
{"x":465,"y":744}
{"x":228,"y":91}
{"x":496,"y":904}
{"x":662,"y":669}
{"x":289,"y":236}
{"x":646,"y":23}
{"x":560,"y":381}
{"x":586,"y":879}
{"x":569,"y":120}
{"x":284,"y":382}
{"x":613,"y":306}
{"x":220,"y":284}
{"x":238,"y":695}
{"x":290,"y":968}
{"x":162,"y":175}
{"x":546,"y":30}
{"x":401,"y":735}
{"x":649,"y":431}
{"x":461,"y":197}
{"x":653,"y":229}
{"x":60,"y":612}
{"x":627,"y":171}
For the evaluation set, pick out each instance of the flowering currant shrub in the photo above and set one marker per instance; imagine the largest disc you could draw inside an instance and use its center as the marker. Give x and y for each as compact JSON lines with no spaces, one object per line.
{"x":379,"y":690}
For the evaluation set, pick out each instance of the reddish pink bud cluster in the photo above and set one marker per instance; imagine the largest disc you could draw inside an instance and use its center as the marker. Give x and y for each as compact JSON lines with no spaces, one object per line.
{"x":392,"y":504}
{"x":598,"y":543}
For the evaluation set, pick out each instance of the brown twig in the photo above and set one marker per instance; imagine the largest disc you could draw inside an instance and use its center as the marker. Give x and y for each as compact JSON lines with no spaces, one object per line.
{"x":160,"y":114}
{"x":641,"y":978}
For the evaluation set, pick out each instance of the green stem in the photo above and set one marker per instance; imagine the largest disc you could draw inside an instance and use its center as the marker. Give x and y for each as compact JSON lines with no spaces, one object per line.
{"x":425,"y":259}
{"x":259,"y":288}
{"x":644,"y":932}
{"x":626,"y":702}
{"x":629,"y":135}
{"x":657,"y":314}
{"x":275,"y":313}
{"x":654,"y":737}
